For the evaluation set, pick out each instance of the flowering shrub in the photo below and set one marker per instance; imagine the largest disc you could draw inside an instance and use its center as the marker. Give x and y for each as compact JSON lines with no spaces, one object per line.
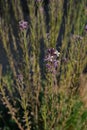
{"x":51,"y":59}
{"x":23,"y":24}
{"x":40,"y":87}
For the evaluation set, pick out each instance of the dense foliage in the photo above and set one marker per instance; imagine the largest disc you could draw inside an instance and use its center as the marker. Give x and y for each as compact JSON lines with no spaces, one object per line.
{"x":45,"y":81}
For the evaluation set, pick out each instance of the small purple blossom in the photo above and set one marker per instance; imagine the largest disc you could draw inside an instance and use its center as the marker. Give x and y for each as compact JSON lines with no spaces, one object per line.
{"x":48,"y":66}
{"x":23,"y":25}
{"x":55,"y":63}
{"x":51,"y":59}
{"x":51,"y":51}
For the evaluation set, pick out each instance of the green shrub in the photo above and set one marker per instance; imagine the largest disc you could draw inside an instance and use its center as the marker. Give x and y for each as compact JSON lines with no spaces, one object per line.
{"x":38,"y":99}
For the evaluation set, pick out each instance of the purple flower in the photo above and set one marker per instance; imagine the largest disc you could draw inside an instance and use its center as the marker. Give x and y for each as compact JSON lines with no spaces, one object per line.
{"x":48,"y":66}
{"x":23,"y":25}
{"x":51,"y":51}
{"x":55,"y":64}
{"x":51,"y":59}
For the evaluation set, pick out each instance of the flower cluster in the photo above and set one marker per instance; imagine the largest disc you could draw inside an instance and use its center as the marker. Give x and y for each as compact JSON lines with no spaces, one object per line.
{"x":51,"y":59}
{"x":23,"y":25}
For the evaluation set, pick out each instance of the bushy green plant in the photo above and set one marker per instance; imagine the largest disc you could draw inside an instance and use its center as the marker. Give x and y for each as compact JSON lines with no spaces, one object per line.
{"x":38,"y":99}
